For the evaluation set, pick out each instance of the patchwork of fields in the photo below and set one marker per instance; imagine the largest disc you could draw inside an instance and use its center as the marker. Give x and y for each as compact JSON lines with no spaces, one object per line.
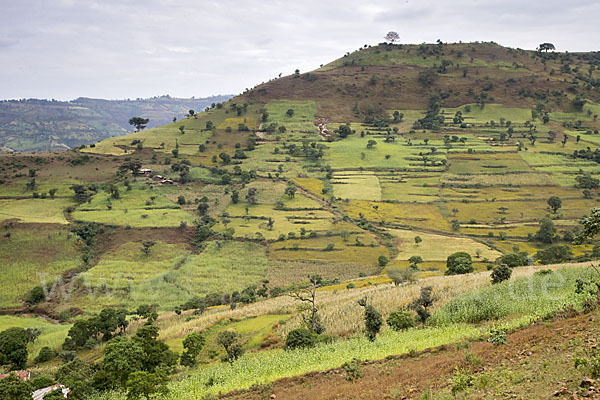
{"x":361,"y":179}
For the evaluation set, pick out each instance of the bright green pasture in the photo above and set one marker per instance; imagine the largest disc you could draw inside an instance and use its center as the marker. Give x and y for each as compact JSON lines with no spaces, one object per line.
{"x":577,"y":116}
{"x":352,"y":153}
{"x":264,"y":160}
{"x":35,"y":210}
{"x":165,"y":138}
{"x":31,"y":258}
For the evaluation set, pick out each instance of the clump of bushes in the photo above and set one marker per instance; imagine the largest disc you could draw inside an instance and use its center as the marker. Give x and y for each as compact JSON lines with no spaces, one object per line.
{"x":400,"y":320}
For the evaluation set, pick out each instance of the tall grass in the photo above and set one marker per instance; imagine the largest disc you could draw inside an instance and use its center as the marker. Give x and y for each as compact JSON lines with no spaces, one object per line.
{"x":536,"y":296}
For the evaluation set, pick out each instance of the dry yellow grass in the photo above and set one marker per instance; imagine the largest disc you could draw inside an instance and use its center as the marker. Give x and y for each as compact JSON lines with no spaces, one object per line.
{"x":339,"y":310}
{"x":409,"y":214}
{"x":438,"y":247}
{"x":313,"y":185}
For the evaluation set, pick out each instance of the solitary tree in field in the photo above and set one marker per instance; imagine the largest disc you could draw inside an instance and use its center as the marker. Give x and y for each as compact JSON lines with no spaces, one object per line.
{"x":139,"y":123}
{"x":308,"y":295}
{"x":418,"y":240}
{"x":146,"y":246}
{"x":555,"y":203}
{"x":290,"y":113}
{"x":392,"y":37}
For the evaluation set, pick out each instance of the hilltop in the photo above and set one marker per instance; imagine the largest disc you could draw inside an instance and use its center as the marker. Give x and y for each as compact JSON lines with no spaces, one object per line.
{"x":390,"y":170}
{"x":30,"y":125}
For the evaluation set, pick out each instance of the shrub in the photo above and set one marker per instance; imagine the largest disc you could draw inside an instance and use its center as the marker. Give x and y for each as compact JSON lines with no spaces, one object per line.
{"x":36,"y":295}
{"x":513,"y":259}
{"x":501,"y":273}
{"x":399,"y":276}
{"x":373,"y":319}
{"x":46,"y":354}
{"x":400,"y":320}
{"x":546,"y":232}
{"x":415,"y":260}
{"x":229,"y":340}
{"x":497,"y":336}
{"x":383,"y":261}
{"x":301,"y":337}
{"x":461,"y":380}
{"x":459,"y":263}
{"x":353,"y":369}
{"x":554,"y":254}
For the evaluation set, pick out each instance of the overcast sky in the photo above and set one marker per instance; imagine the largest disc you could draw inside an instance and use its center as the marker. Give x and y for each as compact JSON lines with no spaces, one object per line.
{"x":112,"y":49}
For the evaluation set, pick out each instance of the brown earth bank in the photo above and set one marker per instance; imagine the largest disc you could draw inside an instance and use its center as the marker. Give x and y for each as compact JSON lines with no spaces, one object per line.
{"x":536,"y":362}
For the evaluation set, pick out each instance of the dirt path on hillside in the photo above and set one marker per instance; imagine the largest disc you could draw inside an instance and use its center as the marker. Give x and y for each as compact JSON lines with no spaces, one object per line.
{"x":408,"y":376}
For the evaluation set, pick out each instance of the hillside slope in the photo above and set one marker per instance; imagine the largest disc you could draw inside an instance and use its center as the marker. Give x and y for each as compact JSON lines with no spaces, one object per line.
{"x":369,"y":175}
{"x":41,"y":125}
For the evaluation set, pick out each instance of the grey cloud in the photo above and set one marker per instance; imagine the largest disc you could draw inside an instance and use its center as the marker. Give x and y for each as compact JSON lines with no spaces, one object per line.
{"x":129,"y":48}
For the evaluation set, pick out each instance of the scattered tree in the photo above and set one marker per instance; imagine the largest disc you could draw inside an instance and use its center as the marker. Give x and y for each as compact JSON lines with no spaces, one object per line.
{"x":193,"y":344}
{"x":299,"y":338}
{"x":373,"y":319}
{"x":308,"y":295}
{"x":555,"y":203}
{"x":139,"y":123}
{"x":13,"y":348}
{"x":400,"y":320}
{"x":459,"y":263}
{"x":547,"y":231}
{"x":146,"y":246}
{"x":501,"y":273}
{"x":229,"y":340}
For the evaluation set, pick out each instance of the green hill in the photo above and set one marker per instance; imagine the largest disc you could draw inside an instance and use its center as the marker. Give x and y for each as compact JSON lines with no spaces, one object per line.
{"x":369,"y":172}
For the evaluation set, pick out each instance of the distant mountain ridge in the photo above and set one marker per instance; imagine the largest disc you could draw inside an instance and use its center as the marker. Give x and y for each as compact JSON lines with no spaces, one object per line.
{"x":29,"y":125}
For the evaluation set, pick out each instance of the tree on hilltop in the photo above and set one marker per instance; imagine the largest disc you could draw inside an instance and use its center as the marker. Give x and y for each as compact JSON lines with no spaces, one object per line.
{"x":546,"y":46}
{"x":392,"y":37}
